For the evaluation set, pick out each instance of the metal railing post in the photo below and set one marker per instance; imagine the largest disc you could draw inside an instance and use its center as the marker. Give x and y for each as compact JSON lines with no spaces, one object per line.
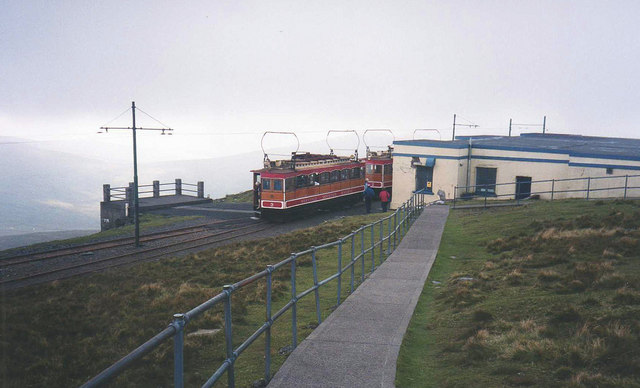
{"x":626,"y":181}
{"x":553,"y":184}
{"x":485,"y":198}
{"x":315,"y":283}
{"x":362,"y":254}
{"x":395,"y":228}
{"x":373,"y":246}
{"x":455,"y":194}
{"x":228,"y":335}
{"x":294,"y":312}
{"x":389,"y":235}
{"x":267,"y":334}
{"x":517,"y":192}
{"x":353,"y":265}
{"x":588,"y":186}
{"x":339,"y":271}
{"x":178,"y":350}
{"x":381,"y":239}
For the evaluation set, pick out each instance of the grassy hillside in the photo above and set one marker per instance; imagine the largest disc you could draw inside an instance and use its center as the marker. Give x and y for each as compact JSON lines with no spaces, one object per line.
{"x":63,"y":333}
{"x":544,"y":295}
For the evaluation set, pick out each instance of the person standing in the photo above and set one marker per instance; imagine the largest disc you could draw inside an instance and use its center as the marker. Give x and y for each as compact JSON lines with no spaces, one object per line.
{"x":384,"y":199}
{"x":368,"y":197}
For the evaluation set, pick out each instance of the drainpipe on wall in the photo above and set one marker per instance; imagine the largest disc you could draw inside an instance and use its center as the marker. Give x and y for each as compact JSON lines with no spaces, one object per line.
{"x":468,"y":164}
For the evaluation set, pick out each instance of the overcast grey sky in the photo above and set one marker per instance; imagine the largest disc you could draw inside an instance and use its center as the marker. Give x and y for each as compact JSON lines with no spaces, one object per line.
{"x":211,"y":68}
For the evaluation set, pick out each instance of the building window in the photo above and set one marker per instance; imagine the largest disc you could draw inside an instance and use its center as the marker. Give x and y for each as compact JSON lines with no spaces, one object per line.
{"x":609,"y":171}
{"x":486,"y":180}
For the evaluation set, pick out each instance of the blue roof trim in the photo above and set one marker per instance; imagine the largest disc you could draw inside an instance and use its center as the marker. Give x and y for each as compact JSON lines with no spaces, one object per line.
{"x":514,"y":159}
{"x":430,"y":143}
{"x":521,"y":149}
{"x":601,"y":156}
{"x":616,"y":166}
{"x":430,"y":156}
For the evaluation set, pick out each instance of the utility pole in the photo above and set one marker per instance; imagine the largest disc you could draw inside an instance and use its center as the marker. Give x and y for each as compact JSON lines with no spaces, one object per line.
{"x":510,"y":120}
{"x":136,"y":202}
{"x":453,"y":137}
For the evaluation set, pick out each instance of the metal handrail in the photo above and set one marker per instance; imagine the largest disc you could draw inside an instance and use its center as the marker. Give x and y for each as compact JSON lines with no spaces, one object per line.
{"x":401,"y":219}
{"x":460,"y":191}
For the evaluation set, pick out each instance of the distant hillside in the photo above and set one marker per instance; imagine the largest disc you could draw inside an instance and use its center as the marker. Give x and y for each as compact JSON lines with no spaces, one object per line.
{"x":44,"y":191}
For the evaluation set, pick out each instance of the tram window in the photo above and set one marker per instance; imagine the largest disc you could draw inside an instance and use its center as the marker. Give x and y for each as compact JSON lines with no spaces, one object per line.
{"x":289,"y":184}
{"x":378,"y":169}
{"x":356,"y":173}
{"x":388,"y":169}
{"x":369,"y":168}
{"x":314,"y":179}
{"x":324,"y":177}
{"x":335,"y":176}
{"x":302,"y":181}
{"x":344,"y":175}
{"x":277,"y":184}
{"x":266,"y":184}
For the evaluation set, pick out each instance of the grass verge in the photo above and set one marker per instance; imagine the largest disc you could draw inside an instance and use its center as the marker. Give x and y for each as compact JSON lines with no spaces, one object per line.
{"x":63,"y":333}
{"x":542,"y":295}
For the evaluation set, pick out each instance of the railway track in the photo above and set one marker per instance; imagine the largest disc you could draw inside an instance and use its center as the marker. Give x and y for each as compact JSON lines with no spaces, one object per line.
{"x":92,"y":247}
{"x":203,"y":236}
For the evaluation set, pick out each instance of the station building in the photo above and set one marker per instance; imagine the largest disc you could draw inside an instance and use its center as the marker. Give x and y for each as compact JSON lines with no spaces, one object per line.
{"x":551,"y":166}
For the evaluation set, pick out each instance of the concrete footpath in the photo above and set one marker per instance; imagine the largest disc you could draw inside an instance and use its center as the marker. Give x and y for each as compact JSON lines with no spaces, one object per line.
{"x":358,"y":344}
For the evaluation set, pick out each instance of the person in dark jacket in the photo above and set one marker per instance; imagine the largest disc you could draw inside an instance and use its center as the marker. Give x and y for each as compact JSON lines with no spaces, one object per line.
{"x":384,"y":199}
{"x":368,"y":194}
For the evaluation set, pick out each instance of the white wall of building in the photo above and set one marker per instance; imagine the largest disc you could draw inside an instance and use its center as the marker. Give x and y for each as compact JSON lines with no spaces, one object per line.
{"x":450,"y":170}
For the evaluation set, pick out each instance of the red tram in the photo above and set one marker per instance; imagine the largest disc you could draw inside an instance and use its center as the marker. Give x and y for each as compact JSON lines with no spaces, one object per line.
{"x":379,"y":164}
{"x":306,"y":181}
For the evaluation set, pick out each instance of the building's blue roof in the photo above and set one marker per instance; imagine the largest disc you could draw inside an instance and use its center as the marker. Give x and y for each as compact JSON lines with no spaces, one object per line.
{"x":573,"y":145}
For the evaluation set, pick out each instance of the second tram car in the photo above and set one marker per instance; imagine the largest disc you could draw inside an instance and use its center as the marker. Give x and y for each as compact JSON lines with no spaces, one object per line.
{"x":379,"y":169}
{"x":306,"y":181}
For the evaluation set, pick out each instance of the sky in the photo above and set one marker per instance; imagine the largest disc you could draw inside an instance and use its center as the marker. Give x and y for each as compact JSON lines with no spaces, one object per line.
{"x":220,"y":73}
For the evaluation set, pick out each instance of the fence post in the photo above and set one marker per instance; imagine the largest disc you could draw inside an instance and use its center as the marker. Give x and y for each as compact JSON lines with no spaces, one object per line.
{"x":626,"y":181}
{"x":362,"y":254}
{"x":553,"y":184}
{"x":339,"y":271}
{"x":389,"y":236}
{"x":455,"y":194}
{"x":178,"y":346}
{"x":228,"y":335}
{"x":395,"y":228}
{"x":200,"y":189}
{"x":178,"y":186}
{"x":381,"y":239}
{"x":353,"y":265}
{"x":485,"y":198}
{"x":267,"y":334}
{"x":156,"y":189}
{"x":106,"y":193}
{"x":294,"y":312}
{"x":517,"y":191}
{"x":588,"y":186}
{"x":373,"y":246}
{"x":315,"y":283}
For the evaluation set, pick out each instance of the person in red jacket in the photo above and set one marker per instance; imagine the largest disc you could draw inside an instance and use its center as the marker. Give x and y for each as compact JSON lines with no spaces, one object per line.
{"x":384,"y":199}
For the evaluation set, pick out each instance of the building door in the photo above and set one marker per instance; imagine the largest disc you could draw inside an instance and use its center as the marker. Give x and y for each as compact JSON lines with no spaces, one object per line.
{"x":523,"y":187}
{"x":424,"y":179}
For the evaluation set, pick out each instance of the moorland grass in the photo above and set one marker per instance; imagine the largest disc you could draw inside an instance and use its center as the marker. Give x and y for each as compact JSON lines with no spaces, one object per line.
{"x":554,"y":300}
{"x":63,"y":333}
